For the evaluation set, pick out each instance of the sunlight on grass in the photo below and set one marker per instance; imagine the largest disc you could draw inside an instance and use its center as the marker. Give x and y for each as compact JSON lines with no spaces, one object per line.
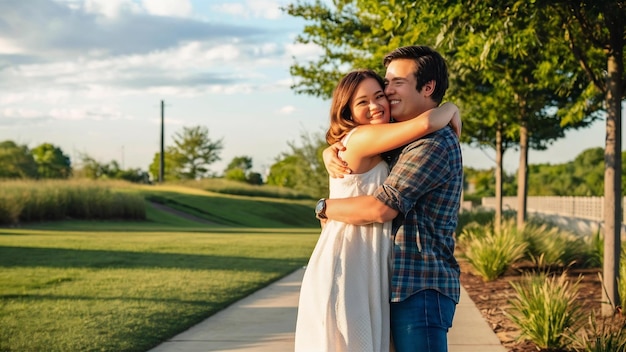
{"x":116,"y":290}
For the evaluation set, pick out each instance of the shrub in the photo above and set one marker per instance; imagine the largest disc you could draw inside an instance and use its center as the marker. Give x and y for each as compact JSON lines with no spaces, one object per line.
{"x":549,"y":246}
{"x":593,"y":250}
{"x":545,"y":308}
{"x":475,"y":216}
{"x":490,"y":253}
{"x":607,"y":335}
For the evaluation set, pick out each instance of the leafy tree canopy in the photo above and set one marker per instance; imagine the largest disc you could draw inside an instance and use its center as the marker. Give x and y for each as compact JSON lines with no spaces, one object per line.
{"x":51,"y":161}
{"x":16,"y":161}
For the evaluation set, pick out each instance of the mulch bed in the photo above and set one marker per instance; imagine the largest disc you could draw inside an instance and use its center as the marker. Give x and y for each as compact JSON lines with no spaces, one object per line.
{"x":492,"y":299}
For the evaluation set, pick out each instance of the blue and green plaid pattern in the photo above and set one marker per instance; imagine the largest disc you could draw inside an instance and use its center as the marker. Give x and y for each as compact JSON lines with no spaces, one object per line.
{"x":425,"y":186}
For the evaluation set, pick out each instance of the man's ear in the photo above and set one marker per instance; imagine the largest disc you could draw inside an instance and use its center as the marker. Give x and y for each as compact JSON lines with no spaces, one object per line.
{"x":429,"y":88}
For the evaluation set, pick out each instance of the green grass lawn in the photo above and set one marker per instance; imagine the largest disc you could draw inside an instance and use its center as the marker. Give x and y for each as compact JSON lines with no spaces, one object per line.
{"x":127,"y":286}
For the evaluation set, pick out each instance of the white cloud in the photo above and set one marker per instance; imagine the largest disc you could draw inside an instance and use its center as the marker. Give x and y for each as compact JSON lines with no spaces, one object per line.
{"x":96,"y":113}
{"x":237,"y":9}
{"x":176,"y":8}
{"x":20,"y":113}
{"x":263,"y":9}
{"x":9,"y":46}
{"x":109,"y":8}
{"x":304,"y":52}
{"x":287,"y":110}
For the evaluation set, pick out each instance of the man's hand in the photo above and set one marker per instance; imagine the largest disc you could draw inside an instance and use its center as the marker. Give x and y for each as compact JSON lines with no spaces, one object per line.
{"x":335,"y":166}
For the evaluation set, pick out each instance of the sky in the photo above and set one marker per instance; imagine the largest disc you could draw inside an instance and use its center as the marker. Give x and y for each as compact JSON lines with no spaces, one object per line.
{"x":89,"y":76}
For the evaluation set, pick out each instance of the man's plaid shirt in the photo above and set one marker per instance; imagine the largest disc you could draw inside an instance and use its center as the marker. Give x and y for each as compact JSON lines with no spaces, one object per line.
{"x":425,"y":186}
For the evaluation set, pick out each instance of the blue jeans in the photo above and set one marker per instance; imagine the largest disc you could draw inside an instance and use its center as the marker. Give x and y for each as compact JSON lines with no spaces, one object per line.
{"x":421,"y":322}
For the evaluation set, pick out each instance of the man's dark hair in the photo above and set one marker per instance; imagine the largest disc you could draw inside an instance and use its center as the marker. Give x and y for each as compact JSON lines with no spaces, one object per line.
{"x":429,"y":66}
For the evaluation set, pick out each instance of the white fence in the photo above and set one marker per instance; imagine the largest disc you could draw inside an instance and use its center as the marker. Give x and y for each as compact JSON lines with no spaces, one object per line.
{"x":580,"y":214}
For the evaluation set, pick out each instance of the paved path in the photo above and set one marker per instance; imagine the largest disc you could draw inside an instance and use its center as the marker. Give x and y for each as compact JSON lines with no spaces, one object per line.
{"x":265,"y":322}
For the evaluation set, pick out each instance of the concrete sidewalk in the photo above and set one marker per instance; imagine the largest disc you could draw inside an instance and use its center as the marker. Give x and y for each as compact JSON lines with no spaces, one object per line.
{"x":265,"y":322}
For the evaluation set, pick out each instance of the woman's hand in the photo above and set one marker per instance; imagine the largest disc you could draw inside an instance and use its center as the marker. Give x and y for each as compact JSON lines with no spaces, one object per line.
{"x":335,"y":166}
{"x":456,"y":123}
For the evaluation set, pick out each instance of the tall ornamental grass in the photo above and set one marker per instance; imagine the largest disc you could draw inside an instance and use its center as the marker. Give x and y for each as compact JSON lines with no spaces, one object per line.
{"x":26,"y":201}
{"x":551,"y":247}
{"x":601,"y":335}
{"x":546,"y":309}
{"x":491,"y":253}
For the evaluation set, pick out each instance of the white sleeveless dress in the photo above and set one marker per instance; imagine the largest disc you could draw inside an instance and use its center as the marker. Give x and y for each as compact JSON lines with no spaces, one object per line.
{"x":344,"y":299}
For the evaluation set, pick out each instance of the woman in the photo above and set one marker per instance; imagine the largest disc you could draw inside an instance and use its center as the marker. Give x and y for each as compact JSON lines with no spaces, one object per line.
{"x":344,"y":299}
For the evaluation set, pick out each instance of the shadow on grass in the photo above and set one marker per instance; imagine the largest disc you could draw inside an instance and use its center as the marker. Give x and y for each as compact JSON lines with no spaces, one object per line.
{"x":75,"y":258}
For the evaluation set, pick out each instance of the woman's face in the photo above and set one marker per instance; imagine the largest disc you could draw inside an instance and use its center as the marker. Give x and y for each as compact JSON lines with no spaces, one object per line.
{"x":369,"y":104}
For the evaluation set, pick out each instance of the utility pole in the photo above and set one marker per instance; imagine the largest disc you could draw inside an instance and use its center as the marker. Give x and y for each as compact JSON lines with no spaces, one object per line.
{"x":162,"y":156}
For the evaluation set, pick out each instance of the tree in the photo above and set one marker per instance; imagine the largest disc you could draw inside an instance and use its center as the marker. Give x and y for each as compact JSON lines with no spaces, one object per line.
{"x":240,"y":162}
{"x":500,"y":73}
{"x":173,"y":165}
{"x":303,"y":168}
{"x":238,"y":168}
{"x":595,"y":32}
{"x":195,"y":151}
{"x":93,"y":169}
{"x":51,"y":162}
{"x":16,"y":161}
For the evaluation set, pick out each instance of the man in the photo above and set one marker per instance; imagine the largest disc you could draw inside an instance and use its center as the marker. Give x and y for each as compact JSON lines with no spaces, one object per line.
{"x":422,"y":197}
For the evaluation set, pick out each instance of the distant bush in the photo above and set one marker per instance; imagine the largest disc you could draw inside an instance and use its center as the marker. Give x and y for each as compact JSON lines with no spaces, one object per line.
{"x":480,"y":216}
{"x":26,"y":201}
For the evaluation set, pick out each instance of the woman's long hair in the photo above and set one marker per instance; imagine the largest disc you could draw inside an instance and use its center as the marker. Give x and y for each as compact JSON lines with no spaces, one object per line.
{"x":340,"y":114}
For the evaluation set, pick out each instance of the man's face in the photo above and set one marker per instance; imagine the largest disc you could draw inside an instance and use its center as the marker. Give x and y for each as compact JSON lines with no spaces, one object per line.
{"x":406,"y":102}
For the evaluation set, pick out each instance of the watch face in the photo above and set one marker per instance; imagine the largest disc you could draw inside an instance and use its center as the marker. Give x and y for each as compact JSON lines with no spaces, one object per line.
{"x":320,"y":206}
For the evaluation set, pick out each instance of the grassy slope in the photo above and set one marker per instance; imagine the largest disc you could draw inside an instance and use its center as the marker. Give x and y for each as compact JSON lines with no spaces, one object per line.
{"x":126,"y":286}
{"x":234,"y":210}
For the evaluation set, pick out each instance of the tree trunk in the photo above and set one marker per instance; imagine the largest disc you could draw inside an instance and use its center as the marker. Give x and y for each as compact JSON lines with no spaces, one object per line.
{"x":522,"y":176}
{"x":613,"y":170}
{"x":499,"y":154}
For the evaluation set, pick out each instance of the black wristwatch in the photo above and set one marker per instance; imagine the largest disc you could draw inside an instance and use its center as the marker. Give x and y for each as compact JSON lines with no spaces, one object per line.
{"x":320,"y":209}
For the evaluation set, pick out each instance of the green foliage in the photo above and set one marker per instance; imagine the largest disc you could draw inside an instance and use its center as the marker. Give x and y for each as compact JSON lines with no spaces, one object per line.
{"x":16,"y":161}
{"x":584,"y":176}
{"x":593,"y":251}
{"x":477,"y":216}
{"x":254,"y":178}
{"x":27,"y":201}
{"x":601,"y":335}
{"x":491,"y":253}
{"x":95,"y":170}
{"x":552,"y":248}
{"x":239,"y":170}
{"x":621,"y":281}
{"x":195,"y":151}
{"x":345,"y":33}
{"x":302,"y":169}
{"x":188,"y":159}
{"x":482,"y":183}
{"x":545,"y":309}
{"x":240,"y":162}
{"x":236,"y":174}
{"x":171,"y":171}
{"x":51,"y":162}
